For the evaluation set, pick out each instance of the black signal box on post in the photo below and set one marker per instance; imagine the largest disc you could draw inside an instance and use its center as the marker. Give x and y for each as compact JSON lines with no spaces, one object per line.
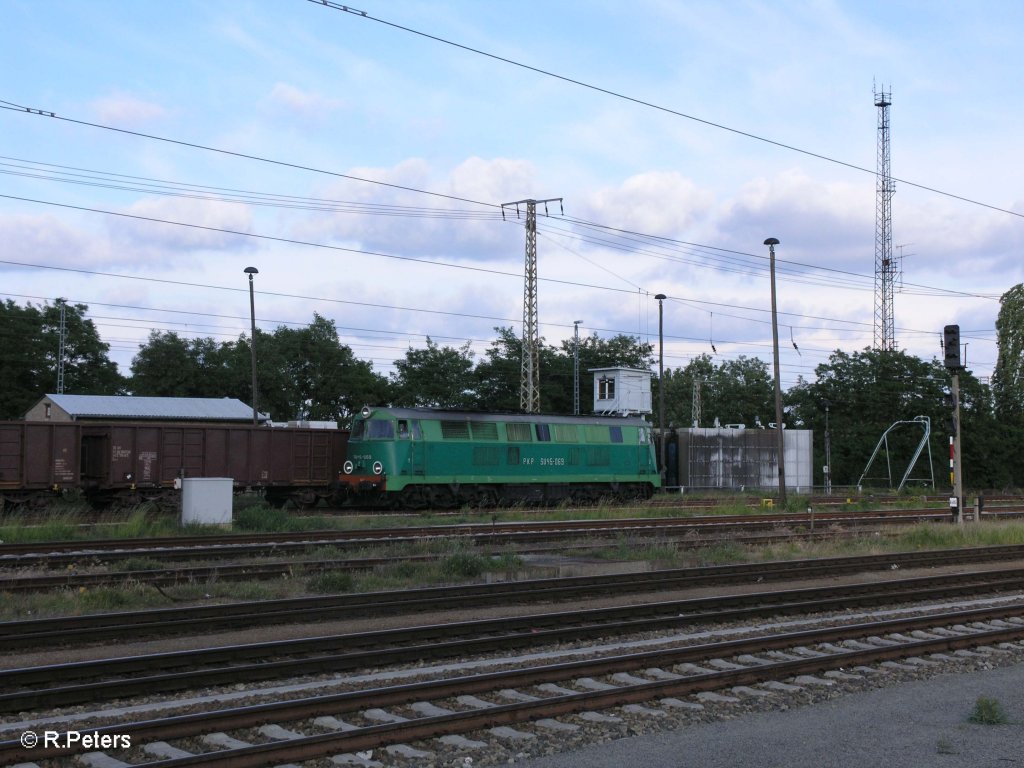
{"x":951,"y":346}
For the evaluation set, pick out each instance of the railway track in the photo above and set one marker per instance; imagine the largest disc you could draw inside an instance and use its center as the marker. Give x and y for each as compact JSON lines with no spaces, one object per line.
{"x":253,"y":569}
{"x":62,"y":554}
{"x":165,"y":622}
{"x":135,"y":675}
{"x":401,"y":714}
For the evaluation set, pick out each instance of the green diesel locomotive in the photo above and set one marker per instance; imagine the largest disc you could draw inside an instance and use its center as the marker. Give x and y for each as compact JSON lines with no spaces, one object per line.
{"x":418,"y":458}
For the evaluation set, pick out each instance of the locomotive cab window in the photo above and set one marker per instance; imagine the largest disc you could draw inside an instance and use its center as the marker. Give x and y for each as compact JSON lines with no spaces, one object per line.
{"x":357,"y":430}
{"x":380,"y":430}
{"x":403,"y":429}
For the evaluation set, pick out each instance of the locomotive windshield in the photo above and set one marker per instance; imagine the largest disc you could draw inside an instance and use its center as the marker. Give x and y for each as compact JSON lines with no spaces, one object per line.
{"x":378,"y":429}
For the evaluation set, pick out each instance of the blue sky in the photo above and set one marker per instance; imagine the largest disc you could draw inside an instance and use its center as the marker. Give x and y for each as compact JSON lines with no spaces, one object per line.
{"x":342,"y":95}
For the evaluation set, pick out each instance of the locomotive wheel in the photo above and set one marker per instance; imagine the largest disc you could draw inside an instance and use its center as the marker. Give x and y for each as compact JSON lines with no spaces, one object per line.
{"x":414,"y":497}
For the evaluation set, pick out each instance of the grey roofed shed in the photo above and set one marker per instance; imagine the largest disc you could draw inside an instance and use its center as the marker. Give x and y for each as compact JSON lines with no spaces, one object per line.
{"x":93,"y":407}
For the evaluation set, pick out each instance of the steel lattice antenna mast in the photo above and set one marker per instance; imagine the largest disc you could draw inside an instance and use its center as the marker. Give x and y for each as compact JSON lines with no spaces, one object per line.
{"x":695,"y":407}
{"x":529,"y":379}
{"x":885,"y":266}
{"x":62,"y":333}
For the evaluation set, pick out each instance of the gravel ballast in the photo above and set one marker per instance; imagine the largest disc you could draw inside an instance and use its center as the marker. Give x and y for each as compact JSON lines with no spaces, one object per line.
{"x":922,"y":724}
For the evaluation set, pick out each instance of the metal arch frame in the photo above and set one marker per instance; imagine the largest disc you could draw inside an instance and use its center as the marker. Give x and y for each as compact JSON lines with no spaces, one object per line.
{"x":926,"y":424}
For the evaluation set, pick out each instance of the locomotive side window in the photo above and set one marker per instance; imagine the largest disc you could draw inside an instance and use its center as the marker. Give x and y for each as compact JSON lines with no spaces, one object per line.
{"x":403,"y":429}
{"x":518,"y":432}
{"x":380,"y":430}
{"x":455,"y":430}
{"x":566,"y":433}
{"x":484,"y":430}
{"x":616,"y":434}
{"x":543,"y":433}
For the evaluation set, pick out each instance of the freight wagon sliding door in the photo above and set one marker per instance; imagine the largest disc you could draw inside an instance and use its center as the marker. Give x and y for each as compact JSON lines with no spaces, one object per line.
{"x":311,"y":457}
{"x":182,"y":453}
{"x":10,"y":455}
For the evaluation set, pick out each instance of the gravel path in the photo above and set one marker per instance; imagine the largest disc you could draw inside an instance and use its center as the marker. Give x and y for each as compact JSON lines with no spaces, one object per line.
{"x":914,"y":725}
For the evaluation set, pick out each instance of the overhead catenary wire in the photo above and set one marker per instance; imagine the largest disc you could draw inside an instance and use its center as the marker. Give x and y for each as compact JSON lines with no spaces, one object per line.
{"x":651,"y":105}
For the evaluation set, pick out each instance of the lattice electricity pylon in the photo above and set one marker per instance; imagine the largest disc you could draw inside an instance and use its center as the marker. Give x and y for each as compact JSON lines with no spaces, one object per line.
{"x":529,"y":378}
{"x":885,"y":265}
{"x":62,"y":334}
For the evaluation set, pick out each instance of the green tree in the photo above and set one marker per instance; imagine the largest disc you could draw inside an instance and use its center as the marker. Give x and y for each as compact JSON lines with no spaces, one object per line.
{"x":737,"y":391}
{"x":498,"y":375}
{"x":302,"y":373}
{"x":307,"y":373}
{"x":168,"y":365}
{"x":866,"y":393}
{"x":29,"y":346}
{"x":436,"y":377}
{"x":1008,"y":376}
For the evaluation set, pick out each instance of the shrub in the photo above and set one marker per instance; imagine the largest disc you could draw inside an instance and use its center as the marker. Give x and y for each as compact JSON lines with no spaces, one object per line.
{"x":988,"y":712}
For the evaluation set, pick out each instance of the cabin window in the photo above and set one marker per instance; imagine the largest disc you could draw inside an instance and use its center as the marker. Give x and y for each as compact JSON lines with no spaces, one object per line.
{"x":605,"y":388}
{"x":616,"y":434}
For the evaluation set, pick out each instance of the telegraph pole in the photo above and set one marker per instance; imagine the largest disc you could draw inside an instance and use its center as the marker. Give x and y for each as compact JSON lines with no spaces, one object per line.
{"x":529,"y":378}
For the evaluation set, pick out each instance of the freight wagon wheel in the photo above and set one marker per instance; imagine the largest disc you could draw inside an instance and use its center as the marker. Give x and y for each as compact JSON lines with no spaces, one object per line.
{"x":276,"y":500}
{"x":305,"y":499}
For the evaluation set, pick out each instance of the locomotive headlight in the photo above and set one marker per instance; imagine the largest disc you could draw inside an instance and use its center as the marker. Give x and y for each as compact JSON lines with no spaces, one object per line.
{"x":378,"y":468}
{"x":348,"y":467}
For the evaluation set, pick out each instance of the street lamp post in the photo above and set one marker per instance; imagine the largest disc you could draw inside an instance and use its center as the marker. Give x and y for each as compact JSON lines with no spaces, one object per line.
{"x":828,"y":454}
{"x":576,"y":367}
{"x":250,"y":271}
{"x":661,"y":383}
{"x":771,"y":242}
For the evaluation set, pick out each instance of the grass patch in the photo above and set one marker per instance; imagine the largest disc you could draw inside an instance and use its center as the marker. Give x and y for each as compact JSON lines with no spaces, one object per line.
{"x":988,"y":711}
{"x":330,"y":583}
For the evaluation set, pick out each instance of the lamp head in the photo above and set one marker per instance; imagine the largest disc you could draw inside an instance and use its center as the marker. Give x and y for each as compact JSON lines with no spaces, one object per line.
{"x":661,"y":297}
{"x":251,"y":271}
{"x":772,"y":241}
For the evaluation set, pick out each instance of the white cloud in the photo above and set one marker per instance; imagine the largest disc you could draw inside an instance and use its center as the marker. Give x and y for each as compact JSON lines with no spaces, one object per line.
{"x":170,"y":240}
{"x":306,"y":104}
{"x":122,"y":109}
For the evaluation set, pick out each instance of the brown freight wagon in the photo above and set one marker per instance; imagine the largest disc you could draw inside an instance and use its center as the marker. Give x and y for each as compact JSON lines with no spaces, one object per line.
{"x":37,"y":461}
{"x":135,"y":462}
{"x":128,"y":463}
